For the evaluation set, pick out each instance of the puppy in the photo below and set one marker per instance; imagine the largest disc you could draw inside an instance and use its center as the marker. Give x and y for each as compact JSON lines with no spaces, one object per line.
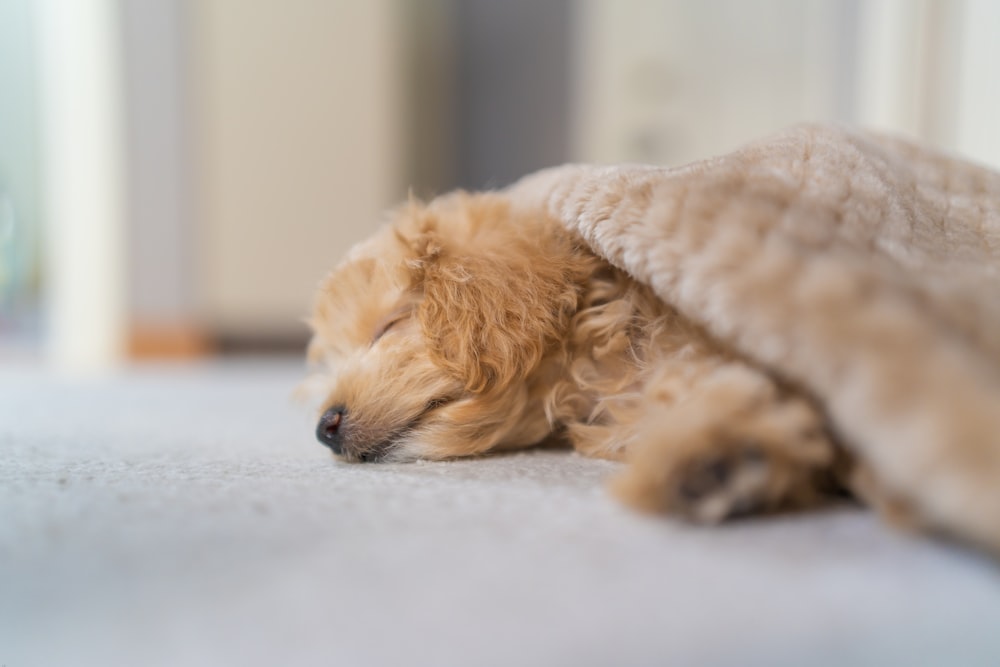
{"x":463,"y":328}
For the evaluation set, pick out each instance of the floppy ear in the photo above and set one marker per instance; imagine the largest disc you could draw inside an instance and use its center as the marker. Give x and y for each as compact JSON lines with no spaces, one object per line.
{"x":489,"y":315}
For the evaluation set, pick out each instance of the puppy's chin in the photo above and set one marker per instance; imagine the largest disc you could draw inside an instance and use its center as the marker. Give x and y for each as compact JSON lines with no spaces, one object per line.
{"x":394,"y":438}
{"x":467,"y":426}
{"x":426,"y":438}
{"x":411,"y":448}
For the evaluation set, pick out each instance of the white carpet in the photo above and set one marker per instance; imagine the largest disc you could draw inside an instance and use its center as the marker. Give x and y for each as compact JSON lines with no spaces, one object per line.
{"x":187,"y":516}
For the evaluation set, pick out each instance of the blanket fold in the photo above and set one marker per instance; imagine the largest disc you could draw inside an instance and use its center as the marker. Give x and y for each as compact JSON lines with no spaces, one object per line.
{"x":863,"y":268}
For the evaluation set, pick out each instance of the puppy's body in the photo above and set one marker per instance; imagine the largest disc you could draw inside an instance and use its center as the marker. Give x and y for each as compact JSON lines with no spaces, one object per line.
{"x":461,"y":329}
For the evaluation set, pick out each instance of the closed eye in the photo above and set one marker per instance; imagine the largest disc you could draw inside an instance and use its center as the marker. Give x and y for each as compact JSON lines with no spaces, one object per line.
{"x":388,"y":323}
{"x":381,"y":331}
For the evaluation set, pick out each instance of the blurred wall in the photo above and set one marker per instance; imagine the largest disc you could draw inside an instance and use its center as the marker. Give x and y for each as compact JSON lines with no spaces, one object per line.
{"x":262,"y":139}
{"x":297,"y":110}
{"x":977,"y":128}
{"x":19,"y":163}
{"x":428,"y":53}
{"x":670,"y":81}
{"x":267,"y":138}
{"x":928,"y":70}
{"x":158,"y":149}
{"x":512,"y":88}
{"x":84,"y":177}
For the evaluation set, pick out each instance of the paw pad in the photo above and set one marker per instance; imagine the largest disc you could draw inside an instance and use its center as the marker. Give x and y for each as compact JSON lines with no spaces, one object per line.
{"x":724,"y":486}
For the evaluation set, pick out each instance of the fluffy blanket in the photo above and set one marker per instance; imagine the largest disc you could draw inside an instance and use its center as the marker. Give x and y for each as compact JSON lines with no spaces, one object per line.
{"x":862,"y":268}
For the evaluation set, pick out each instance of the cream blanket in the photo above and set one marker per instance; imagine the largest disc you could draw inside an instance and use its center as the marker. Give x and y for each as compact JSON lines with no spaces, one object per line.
{"x":865,"y":269}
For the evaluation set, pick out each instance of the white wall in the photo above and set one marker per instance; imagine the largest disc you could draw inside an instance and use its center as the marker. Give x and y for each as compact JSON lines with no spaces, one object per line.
{"x":83,"y":180}
{"x":675,"y":80}
{"x":977,"y":123}
{"x":159,"y":148}
{"x":298,"y":113}
{"x":19,"y":190}
{"x":669,"y":81}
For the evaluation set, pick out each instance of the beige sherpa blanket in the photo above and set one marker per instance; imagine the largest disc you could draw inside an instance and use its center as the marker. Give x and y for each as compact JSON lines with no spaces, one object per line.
{"x":865,"y":269}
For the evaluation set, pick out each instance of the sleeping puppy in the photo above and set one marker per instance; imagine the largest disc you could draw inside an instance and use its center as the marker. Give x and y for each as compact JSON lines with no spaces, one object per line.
{"x":463,"y":327}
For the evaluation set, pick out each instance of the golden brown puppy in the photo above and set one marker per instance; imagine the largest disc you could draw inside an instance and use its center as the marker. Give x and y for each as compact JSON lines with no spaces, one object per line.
{"x":459,"y":329}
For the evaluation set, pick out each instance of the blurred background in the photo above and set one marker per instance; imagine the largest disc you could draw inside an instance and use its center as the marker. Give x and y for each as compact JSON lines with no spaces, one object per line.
{"x":176,"y":176}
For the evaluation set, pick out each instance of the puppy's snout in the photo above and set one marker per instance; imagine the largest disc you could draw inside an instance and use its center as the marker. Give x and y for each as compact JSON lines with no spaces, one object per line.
{"x":330,"y":428}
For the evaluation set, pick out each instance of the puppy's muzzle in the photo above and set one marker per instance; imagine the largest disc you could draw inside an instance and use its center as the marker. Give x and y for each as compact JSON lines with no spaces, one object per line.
{"x":330,"y":429}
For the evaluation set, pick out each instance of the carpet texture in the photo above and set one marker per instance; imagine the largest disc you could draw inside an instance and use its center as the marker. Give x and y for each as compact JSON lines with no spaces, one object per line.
{"x":185,"y":515}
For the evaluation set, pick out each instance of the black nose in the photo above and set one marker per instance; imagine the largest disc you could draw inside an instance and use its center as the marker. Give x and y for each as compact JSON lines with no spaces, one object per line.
{"x":328,"y":431}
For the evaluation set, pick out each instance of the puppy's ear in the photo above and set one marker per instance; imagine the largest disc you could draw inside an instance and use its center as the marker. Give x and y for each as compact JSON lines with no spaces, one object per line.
{"x":491,"y":313}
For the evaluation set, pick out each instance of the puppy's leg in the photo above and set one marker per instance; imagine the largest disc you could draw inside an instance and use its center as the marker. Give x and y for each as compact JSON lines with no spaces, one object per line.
{"x":725,"y":441}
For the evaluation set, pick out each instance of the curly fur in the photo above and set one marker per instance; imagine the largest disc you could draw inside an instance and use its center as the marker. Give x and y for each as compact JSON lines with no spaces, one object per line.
{"x":812,"y":312}
{"x":864,"y":268}
{"x":464,"y":327}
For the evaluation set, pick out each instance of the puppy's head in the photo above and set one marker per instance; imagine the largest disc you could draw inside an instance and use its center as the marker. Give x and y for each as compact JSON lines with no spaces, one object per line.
{"x":440,"y":335}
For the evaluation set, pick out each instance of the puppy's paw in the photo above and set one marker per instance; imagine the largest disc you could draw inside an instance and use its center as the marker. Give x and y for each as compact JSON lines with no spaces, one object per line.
{"x":728,"y":477}
{"x":720,"y":483}
{"x":729,"y":483}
